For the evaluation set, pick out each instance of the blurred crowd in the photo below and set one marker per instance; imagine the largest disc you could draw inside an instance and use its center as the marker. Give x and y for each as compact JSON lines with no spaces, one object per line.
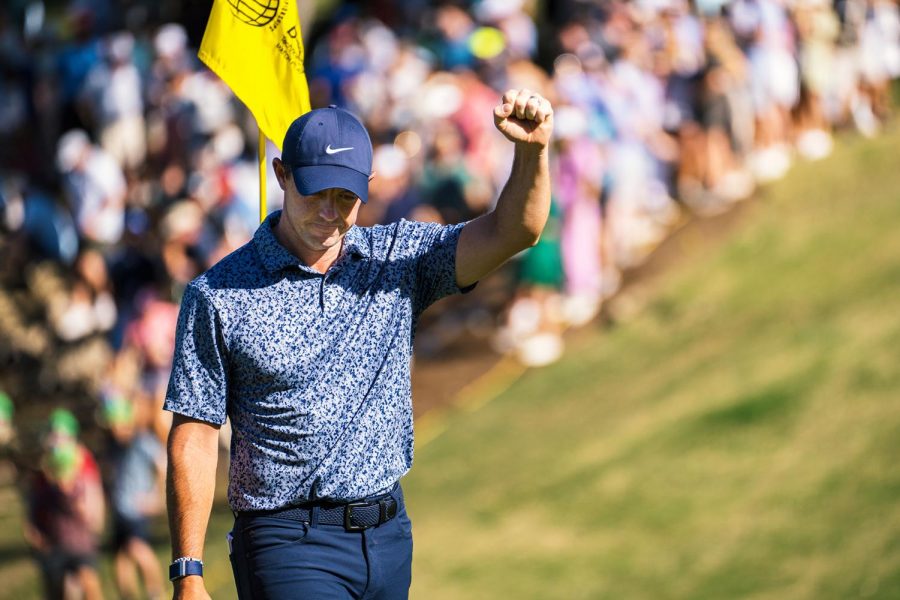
{"x":663,"y":108}
{"x":127,"y":168}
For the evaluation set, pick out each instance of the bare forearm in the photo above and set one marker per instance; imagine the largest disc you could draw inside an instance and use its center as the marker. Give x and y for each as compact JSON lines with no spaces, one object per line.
{"x":515,"y":223}
{"x":526,"y":119}
{"x":524,"y":203}
{"x":190,"y":485}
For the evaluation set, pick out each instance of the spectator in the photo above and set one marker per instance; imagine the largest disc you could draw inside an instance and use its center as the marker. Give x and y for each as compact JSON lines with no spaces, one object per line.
{"x":113,"y":94}
{"x":75,"y":59}
{"x":391,"y":195}
{"x":95,"y":187}
{"x":88,"y":306}
{"x":533,"y":322}
{"x":137,"y":460}
{"x":818,"y":29}
{"x":7,"y":431}
{"x":66,"y":512}
{"x":578,"y":173}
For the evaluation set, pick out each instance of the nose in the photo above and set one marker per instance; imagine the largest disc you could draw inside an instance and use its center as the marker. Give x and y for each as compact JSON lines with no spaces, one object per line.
{"x":328,"y":208}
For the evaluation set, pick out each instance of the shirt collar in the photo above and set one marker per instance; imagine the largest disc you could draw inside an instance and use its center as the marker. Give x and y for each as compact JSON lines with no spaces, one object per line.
{"x":355,"y":243}
{"x":275,"y":257}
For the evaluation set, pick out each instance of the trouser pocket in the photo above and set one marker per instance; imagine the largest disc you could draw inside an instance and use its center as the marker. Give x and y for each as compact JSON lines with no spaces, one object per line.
{"x":264,"y":551}
{"x":239,"y":564}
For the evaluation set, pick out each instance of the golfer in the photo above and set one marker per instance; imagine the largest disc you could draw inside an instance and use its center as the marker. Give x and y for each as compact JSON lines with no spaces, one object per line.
{"x":303,"y":338}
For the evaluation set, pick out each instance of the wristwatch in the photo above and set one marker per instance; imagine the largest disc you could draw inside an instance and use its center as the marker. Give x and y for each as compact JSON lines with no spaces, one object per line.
{"x":184,"y":566}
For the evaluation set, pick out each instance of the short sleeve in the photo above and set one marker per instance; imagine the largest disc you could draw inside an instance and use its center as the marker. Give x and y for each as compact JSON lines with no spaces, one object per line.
{"x":198,"y":383}
{"x":436,"y":262}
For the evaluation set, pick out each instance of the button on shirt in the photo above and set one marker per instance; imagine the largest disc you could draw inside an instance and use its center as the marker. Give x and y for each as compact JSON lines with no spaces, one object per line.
{"x":313,"y":370}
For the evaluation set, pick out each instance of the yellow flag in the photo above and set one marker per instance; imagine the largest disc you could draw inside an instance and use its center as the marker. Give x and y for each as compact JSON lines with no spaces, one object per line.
{"x":256,"y":48}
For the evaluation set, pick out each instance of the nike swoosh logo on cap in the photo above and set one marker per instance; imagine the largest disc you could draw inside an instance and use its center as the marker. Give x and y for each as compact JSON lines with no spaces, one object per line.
{"x":330,"y":150}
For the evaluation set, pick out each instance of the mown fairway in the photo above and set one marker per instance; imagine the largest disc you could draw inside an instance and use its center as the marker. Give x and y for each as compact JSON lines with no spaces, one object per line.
{"x":738,"y":437}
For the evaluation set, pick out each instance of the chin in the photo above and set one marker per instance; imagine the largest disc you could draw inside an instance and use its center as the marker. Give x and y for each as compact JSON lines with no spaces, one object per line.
{"x":329,"y":243}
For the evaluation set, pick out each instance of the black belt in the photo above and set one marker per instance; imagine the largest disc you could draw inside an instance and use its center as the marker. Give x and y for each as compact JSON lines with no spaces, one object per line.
{"x":354,"y":516}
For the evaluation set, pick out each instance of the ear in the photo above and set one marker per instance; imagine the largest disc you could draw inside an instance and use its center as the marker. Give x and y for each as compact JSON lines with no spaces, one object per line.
{"x":278,"y":166}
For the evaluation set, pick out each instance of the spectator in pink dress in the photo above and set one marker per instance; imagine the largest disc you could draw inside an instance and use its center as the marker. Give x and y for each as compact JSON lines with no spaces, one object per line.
{"x":578,"y":175}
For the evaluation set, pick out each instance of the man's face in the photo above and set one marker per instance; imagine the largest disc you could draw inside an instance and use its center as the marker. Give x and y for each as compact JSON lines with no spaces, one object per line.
{"x":318,"y":222}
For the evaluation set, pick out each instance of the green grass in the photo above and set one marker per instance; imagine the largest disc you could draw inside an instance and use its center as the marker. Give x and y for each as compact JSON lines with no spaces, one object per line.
{"x":737,"y":438}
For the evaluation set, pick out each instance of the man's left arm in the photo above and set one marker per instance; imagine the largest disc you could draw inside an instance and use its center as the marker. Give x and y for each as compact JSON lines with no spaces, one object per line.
{"x":526,"y":119}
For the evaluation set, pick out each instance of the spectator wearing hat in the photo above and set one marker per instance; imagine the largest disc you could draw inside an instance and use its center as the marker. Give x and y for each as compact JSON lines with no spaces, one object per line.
{"x":66,"y":512}
{"x":135,"y":493}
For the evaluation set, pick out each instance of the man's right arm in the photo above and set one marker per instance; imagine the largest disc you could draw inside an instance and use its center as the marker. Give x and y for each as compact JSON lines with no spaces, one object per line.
{"x":190,"y":485}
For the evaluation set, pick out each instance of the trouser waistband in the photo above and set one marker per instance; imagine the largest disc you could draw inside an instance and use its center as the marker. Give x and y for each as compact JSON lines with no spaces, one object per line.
{"x":353,"y":516}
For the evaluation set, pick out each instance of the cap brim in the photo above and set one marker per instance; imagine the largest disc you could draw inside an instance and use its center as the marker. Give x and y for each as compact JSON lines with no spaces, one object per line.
{"x":313,"y":179}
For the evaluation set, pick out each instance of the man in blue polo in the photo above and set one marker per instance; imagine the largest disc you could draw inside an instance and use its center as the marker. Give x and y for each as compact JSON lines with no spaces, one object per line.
{"x":303,"y":338}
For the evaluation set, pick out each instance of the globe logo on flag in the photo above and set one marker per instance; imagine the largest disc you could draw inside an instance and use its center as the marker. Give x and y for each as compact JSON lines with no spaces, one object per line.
{"x":258,"y":13}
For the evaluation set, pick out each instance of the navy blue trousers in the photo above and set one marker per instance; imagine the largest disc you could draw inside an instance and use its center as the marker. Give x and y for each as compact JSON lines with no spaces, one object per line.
{"x":280,"y":559}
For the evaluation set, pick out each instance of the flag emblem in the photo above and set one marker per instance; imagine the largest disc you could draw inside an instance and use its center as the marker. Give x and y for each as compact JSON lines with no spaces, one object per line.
{"x":258,"y":13}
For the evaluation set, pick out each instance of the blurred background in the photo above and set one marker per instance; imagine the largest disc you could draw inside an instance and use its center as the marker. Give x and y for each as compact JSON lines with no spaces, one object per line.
{"x":673,"y":321}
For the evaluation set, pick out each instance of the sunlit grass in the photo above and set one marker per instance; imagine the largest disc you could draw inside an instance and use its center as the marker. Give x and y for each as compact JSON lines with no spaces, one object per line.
{"x":738,"y":438}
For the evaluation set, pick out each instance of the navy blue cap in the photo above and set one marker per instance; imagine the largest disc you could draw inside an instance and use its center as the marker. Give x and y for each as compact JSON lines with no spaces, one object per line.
{"x":328,"y":148}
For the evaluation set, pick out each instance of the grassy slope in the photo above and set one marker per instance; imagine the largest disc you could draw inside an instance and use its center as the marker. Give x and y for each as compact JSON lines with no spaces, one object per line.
{"x":737,"y":438}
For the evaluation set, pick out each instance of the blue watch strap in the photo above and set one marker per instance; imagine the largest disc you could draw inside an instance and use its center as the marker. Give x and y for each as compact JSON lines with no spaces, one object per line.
{"x":183,"y":567}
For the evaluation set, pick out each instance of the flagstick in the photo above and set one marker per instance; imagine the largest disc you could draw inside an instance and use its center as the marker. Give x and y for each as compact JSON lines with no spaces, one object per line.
{"x":262,"y":177}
